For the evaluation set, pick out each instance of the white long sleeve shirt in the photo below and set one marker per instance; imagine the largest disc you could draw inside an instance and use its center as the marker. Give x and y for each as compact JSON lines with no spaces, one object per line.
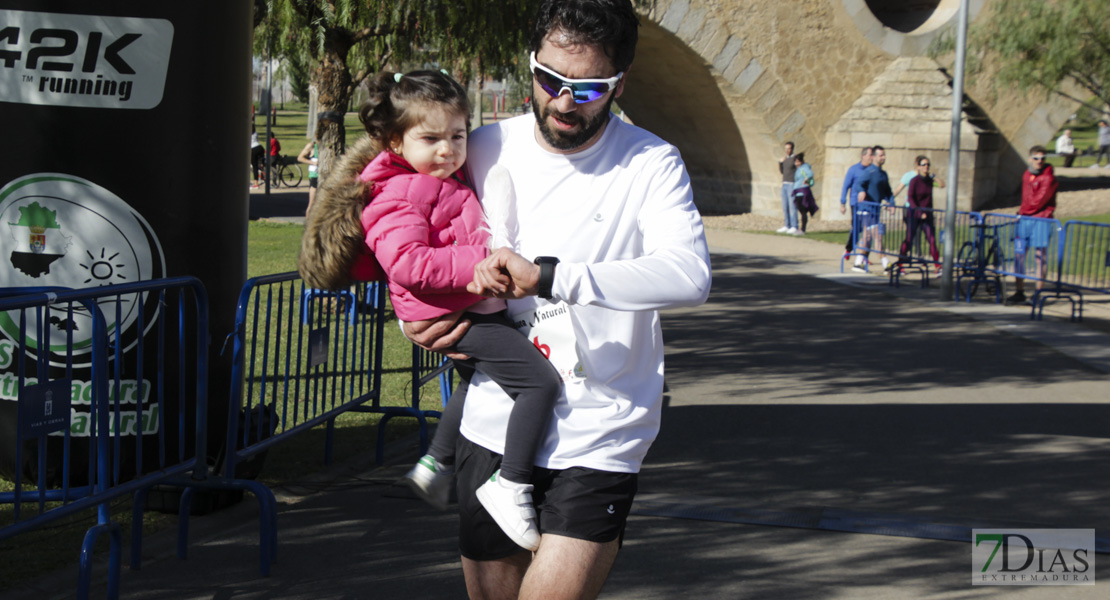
{"x":621,"y":219}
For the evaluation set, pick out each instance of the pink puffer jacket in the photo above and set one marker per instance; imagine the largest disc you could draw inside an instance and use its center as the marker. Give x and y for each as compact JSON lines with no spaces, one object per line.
{"x":427,"y":235}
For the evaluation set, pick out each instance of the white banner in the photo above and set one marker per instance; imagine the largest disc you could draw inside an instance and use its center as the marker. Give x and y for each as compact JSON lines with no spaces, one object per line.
{"x":89,"y":61}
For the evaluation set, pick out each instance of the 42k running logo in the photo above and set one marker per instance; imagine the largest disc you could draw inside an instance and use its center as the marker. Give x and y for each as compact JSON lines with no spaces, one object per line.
{"x":83,"y":60}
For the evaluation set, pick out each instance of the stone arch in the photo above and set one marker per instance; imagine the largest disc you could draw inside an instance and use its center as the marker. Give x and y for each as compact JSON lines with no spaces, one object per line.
{"x":696,"y":85}
{"x":902,"y":28}
{"x":671,"y":92}
{"x":729,"y":81}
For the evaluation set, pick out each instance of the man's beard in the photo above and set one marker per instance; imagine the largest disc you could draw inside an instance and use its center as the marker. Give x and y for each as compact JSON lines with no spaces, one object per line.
{"x":570,"y":141}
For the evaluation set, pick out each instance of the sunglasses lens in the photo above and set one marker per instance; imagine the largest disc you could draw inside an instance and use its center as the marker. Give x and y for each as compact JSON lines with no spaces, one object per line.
{"x":588,"y":92}
{"x":550,"y":84}
{"x":581,"y":92}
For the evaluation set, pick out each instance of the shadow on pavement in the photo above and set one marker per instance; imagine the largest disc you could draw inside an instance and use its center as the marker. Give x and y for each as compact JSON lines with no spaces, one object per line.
{"x":283,"y":204}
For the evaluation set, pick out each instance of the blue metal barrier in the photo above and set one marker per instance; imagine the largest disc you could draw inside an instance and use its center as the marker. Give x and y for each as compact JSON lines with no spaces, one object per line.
{"x":978,"y":262}
{"x":887,"y":228}
{"x":118,"y":424}
{"x":299,"y":360}
{"x":1030,"y":246}
{"x":426,"y":367}
{"x":877,"y":228}
{"x":917,"y":254}
{"x":1083,"y":265}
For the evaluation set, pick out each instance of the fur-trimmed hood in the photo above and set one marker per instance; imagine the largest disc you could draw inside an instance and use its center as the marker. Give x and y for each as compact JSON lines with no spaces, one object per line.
{"x":333,"y":247}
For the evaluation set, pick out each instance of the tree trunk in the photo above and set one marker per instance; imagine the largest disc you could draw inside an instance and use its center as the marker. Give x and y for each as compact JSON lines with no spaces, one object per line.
{"x":333,"y":82}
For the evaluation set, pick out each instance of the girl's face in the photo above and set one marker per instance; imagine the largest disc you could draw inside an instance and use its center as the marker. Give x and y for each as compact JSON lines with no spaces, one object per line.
{"x":437,"y":145}
{"x":923,"y":167}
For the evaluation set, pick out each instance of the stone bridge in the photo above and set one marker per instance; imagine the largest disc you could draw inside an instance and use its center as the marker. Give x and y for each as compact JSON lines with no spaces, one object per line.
{"x":729,"y":81}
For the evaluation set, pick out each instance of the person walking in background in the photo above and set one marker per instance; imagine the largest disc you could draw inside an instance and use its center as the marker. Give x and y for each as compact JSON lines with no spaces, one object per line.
{"x":1038,"y":199}
{"x":1065,"y":147}
{"x":920,"y":196}
{"x":1103,"y":144}
{"x":789,"y":211}
{"x":310,"y":155}
{"x":275,"y":151}
{"x":874,"y":190}
{"x":804,"y":202}
{"x":848,"y":197}
{"x":258,"y":153}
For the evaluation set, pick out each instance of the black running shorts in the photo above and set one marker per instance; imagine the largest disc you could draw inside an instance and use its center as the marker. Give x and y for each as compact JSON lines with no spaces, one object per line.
{"x":580,"y":503}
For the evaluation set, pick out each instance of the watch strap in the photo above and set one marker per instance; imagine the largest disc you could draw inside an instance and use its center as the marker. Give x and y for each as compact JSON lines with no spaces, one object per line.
{"x":547,"y":275}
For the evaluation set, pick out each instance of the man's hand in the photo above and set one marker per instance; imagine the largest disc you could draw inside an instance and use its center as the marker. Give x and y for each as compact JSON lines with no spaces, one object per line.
{"x":842,"y":208}
{"x":440,"y":334}
{"x":505,"y":274}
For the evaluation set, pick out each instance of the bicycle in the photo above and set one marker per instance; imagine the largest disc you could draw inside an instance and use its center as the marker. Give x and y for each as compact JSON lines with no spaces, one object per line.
{"x":973,"y":260}
{"x":284,"y":172}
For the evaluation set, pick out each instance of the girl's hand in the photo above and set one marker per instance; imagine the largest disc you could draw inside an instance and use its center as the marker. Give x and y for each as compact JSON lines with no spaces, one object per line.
{"x":505,"y":274}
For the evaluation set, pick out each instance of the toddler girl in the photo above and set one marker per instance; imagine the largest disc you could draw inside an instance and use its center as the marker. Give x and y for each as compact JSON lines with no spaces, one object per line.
{"x":400,"y":196}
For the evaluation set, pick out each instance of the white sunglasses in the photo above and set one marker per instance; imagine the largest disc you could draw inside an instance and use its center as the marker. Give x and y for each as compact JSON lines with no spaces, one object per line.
{"x":582,"y":90}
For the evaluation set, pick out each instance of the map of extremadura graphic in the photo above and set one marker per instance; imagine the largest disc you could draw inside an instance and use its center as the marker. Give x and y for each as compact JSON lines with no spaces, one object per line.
{"x":39,"y":240}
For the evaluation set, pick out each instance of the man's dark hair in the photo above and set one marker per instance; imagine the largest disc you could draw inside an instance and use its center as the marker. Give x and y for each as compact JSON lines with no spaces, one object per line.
{"x":1036,"y":149}
{"x":875,"y":149}
{"x":610,"y":24}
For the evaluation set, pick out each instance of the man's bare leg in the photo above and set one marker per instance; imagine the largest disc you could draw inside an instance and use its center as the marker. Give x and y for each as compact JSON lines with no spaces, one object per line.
{"x":568,"y":568}
{"x":495,"y":579}
{"x":1041,"y":267}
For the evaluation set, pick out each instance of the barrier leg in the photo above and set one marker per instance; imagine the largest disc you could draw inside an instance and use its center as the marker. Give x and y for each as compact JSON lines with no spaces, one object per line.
{"x":380,"y":456}
{"x":84,"y":577}
{"x":138,"y":507}
{"x":184,"y":508}
{"x":267,"y":518}
{"x":329,"y":441}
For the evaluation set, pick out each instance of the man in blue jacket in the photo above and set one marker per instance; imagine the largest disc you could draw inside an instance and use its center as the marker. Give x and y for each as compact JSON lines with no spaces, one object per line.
{"x":854,"y":175}
{"x":874,"y":189}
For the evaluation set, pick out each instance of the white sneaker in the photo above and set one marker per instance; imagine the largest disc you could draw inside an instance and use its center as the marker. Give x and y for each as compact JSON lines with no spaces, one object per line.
{"x":886,"y":264}
{"x":799,"y":232}
{"x":858,"y":268}
{"x":510,"y":504}
{"x":782,"y":229}
{"x":792,"y":230}
{"x":431,"y":481}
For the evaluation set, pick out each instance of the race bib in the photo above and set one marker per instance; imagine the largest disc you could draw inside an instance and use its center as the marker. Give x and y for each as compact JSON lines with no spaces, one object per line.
{"x":550,"y":330}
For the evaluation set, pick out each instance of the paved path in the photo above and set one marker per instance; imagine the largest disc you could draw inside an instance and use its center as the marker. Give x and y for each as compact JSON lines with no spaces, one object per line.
{"x":806,"y":410}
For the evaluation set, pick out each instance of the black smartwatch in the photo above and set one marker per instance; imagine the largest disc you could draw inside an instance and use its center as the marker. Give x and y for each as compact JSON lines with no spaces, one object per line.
{"x":547,"y":275}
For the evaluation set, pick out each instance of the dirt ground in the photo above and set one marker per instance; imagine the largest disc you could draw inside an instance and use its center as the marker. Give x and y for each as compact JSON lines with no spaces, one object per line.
{"x":1086,"y":192}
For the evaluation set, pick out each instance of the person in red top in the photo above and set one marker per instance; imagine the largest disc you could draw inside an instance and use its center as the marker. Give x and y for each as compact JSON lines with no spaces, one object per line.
{"x":1038,"y":199}
{"x":275,"y":150}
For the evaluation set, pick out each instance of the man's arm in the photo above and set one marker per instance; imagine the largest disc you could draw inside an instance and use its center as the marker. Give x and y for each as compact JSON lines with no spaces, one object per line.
{"x":849,"y":181}
{"x":673,"y":269}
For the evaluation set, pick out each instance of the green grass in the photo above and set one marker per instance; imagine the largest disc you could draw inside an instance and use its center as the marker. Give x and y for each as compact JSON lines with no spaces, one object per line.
{"x":272,"y":248}
{"x":291,"y":130}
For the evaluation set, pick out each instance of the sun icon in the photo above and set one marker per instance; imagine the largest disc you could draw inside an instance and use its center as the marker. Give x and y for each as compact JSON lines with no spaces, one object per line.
{"x":101,"y":269}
